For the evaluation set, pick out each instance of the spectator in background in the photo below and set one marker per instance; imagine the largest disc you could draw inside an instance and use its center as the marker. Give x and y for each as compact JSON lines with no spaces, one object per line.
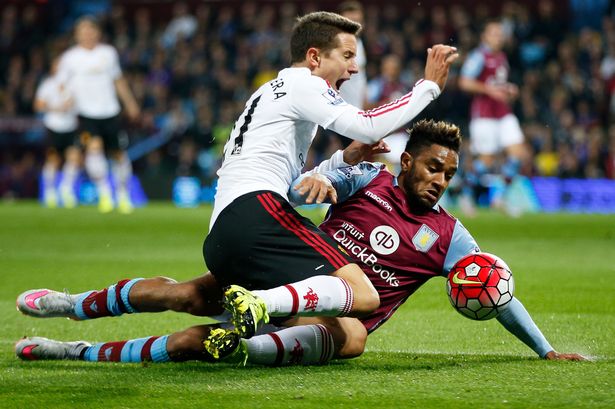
{"x":183,"y":26}
{"x":54,"y":100}
{"x":93,"y":74}
{"x":385,"y":88}
{"x":354,"y":91}
{"x":493,"y":126}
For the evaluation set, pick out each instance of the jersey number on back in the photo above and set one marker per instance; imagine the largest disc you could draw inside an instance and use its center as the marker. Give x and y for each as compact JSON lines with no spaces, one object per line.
{"x":248,"y":118}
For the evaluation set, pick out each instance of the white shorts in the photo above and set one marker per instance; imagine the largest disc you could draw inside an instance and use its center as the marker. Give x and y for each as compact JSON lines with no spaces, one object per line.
{"x":489,"y":136}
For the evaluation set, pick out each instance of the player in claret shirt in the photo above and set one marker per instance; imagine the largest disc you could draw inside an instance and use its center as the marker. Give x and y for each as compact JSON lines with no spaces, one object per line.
{"x":394,"y":229}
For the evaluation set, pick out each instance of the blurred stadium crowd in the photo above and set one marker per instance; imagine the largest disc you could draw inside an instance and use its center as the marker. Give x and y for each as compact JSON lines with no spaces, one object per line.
{"x":192,"y":66}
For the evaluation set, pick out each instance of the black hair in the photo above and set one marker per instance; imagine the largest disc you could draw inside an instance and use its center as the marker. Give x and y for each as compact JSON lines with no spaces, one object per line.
{"x":318,"y":30}
{"x":427,"y":132}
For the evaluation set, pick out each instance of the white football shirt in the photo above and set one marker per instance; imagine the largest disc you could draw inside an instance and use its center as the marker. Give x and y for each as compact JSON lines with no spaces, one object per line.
{"x":91,"y":76}
{"x":56,"y":95}
{"x":270,"y":140}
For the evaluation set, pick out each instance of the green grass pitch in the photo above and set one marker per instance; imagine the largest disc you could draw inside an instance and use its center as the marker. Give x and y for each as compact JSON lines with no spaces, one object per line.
{"x":426,"y":356}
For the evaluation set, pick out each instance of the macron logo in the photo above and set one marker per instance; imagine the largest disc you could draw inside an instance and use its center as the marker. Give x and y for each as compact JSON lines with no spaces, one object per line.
{"x":380,"y":201}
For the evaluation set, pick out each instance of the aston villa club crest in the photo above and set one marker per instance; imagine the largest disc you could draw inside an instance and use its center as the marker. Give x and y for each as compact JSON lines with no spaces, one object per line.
{"x":424,"y":239}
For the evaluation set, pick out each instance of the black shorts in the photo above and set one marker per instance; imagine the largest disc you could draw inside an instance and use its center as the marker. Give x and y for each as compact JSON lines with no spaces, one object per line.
{"x":61,"y":140}
{"x":108,"y":129}
{"x":259,"y":241}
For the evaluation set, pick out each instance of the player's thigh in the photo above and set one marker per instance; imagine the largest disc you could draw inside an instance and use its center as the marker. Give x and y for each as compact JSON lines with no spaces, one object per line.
{"x":510,"y":131}
{"x":484,"y":136}
{"x":259,"y":241}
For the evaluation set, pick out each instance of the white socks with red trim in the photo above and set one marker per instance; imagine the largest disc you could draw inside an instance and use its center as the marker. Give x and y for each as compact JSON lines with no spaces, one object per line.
{"x":316,"y":296}
{"x":301,"y":345}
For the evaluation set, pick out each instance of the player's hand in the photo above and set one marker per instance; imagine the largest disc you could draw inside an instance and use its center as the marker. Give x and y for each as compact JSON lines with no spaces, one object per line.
{"x":439,"y":60}
{"x":318,"y":188}
{"x":556,"y":356}
{"x":501,"y":93}
{"x":359,"y":151}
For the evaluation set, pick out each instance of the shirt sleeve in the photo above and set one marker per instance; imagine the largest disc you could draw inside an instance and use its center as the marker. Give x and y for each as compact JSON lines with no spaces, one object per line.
{"x":473,"y":65}
{"x":518,"y":322}
{"x":115,"y":69}
{"x":335,"y":161}
{"x":314,"y":101}
{"x":64,"y":72}
{"x":462,"y":243}
{"x":346,"y":181}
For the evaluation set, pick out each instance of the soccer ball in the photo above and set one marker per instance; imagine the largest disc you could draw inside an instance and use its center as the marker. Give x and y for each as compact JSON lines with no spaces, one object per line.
{"x":480,"y":285}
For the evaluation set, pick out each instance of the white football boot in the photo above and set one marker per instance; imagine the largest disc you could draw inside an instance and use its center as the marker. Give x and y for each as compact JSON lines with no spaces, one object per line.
{"x":35,"y":348}
{"x":44,"y":303}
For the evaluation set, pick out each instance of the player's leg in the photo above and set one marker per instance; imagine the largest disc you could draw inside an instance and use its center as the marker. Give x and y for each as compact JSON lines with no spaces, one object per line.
{"x":484,"y":146}
{"x":260,"y":242}
{"x":200,"y":296}
{"x":346,"y":292}
{"x":116,"y":142}
{"x":49,"y":174}
{"x":121,"y":169}
{"x":70,"y":172}
{"x":180,"y":346}
{"x":97,"y":169}
{"x":307,"y":341}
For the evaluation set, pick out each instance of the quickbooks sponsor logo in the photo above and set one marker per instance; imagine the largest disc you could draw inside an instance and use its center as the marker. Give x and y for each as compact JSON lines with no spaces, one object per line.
{"x":379,"y":200}
{"x":384,"y":240}
{"x":369,"y":259}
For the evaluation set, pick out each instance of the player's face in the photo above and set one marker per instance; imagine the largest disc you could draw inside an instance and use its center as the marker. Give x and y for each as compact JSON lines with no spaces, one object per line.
{"x":339,"y":64}
{"x":425,"y":177}
{"x":494,"y":36}
{"x":87,"y":34}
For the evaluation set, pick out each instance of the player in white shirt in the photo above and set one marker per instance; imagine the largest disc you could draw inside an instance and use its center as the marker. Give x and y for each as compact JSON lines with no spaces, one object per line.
{"x":93,"y":74}
{"x":256,"y":239}
{"x":54,"y":100}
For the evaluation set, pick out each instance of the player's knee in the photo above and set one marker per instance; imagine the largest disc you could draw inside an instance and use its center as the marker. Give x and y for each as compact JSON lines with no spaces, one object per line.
{"x":186,"y":297}
{"x":366,"y":301}
{"x":354,"y":344}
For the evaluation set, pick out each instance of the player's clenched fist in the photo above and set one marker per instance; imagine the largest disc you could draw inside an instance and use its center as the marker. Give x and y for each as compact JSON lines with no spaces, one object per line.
{"x":439,"y":60}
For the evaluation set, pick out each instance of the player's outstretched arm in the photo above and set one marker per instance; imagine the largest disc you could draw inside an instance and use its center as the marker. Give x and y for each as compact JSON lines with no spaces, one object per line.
{"x":517,"y":320}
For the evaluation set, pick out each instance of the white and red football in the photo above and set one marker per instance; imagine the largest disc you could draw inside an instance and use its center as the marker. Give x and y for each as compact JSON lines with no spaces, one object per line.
{"x":480,"y":285}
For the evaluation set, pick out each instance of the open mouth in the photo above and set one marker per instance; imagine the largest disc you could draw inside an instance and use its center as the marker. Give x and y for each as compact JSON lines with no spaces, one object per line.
{"x":339,"y":83}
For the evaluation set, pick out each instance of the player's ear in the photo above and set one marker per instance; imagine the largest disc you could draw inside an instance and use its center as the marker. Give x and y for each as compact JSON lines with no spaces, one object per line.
{"x":313,"y":57}
{"x":406,"y":161}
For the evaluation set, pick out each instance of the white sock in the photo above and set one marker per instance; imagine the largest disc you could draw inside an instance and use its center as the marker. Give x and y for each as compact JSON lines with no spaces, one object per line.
{"x":69,"y":175}
{"x":49,"y":178}
{"x":122,"y":171}
{"x":316,"y":296}
{"x":301,"y":345}
{"x":97,"y":168}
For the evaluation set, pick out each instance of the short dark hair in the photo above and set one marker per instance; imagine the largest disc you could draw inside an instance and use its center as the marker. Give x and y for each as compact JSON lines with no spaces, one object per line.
{"x":427,"y":132}
{"x":318,"y":29}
